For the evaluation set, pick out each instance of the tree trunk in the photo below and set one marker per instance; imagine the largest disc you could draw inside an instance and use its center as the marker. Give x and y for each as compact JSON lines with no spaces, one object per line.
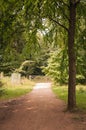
{"x":72,"y":58}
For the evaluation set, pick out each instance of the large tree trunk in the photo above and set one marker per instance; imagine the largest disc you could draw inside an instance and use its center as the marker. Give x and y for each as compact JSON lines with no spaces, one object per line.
{"x":72,"y":58}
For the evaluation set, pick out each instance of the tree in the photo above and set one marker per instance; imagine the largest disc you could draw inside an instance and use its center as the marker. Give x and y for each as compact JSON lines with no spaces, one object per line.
{"x":57,"y":67}
{"x":52,"y":14}
{"x":71,"y":54}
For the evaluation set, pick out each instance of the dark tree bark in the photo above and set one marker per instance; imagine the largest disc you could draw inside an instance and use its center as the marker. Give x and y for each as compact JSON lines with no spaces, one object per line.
{"x":72,"y":56}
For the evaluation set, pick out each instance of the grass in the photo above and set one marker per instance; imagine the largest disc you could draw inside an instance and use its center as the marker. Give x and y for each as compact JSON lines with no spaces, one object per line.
{"x":81,"y":97}
{"x":9,"y":91}
{"x":62,"y":93}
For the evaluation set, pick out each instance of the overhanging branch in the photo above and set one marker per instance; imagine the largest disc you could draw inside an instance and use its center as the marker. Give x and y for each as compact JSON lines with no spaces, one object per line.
{"x":58,"y":23}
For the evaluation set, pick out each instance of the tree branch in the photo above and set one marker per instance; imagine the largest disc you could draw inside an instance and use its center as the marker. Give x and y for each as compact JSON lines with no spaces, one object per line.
{"x":58,"y":23}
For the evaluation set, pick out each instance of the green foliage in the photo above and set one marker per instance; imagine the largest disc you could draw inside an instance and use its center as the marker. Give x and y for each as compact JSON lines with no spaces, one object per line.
{"x":1,"y":84}
{"x":2,"y":90}
{"x":57,"y":67}
{"x":9,"y":67}
{"x":30,"y":67}
{"x":81,"y":54}
{"x":26,"y":68}
{"x":80,"y":43}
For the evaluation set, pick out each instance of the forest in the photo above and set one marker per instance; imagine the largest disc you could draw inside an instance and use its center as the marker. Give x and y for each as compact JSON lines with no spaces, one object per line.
{"x":46,"y":37}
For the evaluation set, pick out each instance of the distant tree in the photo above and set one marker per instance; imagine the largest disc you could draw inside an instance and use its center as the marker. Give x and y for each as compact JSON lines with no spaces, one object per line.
{"x":57,"y":67}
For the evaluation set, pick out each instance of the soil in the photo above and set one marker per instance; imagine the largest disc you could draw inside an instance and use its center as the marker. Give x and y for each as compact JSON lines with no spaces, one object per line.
{"x":39,"y":110}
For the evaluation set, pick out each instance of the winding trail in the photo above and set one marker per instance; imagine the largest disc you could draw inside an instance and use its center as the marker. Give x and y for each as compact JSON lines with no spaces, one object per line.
{"x":38,"y":110}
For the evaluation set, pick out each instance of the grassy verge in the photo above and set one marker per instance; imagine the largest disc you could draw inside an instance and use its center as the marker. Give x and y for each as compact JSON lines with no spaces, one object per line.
{"x":62,"y":93}
{"x":8,"y":91}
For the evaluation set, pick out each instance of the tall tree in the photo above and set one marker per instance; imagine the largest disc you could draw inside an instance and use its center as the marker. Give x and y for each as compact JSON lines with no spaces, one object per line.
{"x":55,"y":7}
{"x":71,"y":53}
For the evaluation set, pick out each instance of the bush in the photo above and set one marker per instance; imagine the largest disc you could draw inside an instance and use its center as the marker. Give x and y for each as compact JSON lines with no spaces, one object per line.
{"x":1,"y":84}
{"x":2,"y":91}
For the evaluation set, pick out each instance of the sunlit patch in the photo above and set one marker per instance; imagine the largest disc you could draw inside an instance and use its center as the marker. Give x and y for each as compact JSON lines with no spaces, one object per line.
{"x":15,"y":111}
{"x":4,"y":106}
{"x":30,"y":108}
{"x":29,"y":101}
{"x":42,"y":85}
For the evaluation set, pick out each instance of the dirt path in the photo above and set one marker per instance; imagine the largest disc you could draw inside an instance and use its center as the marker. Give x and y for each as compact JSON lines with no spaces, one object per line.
{"x":39,"y":110}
